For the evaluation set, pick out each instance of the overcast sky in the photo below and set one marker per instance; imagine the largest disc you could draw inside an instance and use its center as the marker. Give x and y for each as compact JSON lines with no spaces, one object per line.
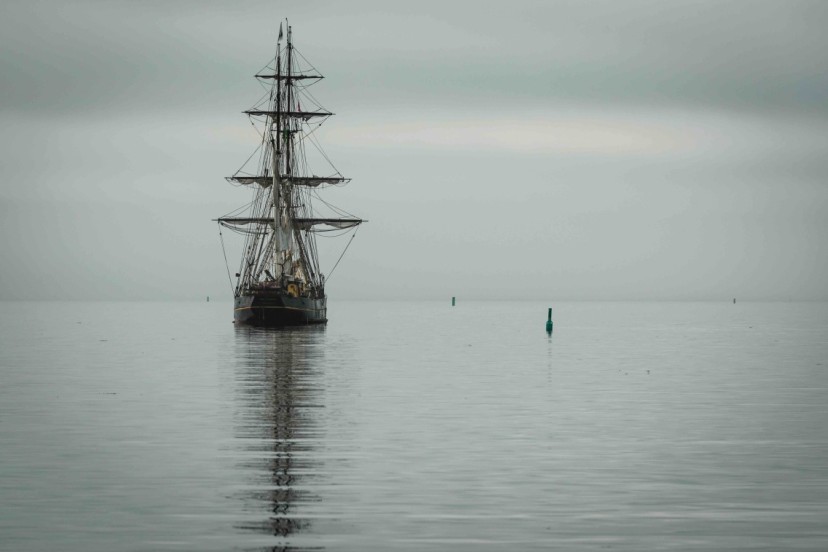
{"x":519,"y":150}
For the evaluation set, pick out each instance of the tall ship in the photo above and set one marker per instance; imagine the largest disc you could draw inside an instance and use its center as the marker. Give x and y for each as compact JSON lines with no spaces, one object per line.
{"x":279,"y":281}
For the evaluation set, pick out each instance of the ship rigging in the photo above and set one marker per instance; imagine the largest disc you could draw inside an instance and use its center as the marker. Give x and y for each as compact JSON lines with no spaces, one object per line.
{"x":279,"y":281}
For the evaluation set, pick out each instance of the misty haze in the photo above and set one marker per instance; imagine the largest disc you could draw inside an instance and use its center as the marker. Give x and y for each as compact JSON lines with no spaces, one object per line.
{"x":616,"y":150}
{"x":588,"y":311}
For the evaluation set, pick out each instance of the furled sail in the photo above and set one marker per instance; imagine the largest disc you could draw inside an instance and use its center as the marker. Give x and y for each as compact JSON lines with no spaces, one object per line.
{"x":341,"y":223}
{"x":300,"y":223}
{"x":243,"y":221}
{"x":305,"y":115}
{"x":311,"y":181}
{"x":289,"y":77}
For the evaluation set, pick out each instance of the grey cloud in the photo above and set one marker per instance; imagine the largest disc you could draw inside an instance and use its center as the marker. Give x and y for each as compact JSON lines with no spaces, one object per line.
{"x":104,"y":57}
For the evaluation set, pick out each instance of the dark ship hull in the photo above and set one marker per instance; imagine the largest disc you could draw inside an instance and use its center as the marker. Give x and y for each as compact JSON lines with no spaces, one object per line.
{"x":279,"y":309}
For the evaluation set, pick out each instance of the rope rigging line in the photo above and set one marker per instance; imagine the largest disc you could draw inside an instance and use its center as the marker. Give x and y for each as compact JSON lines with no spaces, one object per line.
{"x":305,"y":93}
{"x":259,"y":147}
{"x":297,"y":52}
{"x":318,"y":146}
{"x":226,"y":262}
{"x":338,"y":210}
{"x":328,"y":277}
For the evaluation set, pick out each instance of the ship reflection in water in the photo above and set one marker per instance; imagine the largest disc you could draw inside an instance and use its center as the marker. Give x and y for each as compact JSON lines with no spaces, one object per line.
{"x":278,"y":391}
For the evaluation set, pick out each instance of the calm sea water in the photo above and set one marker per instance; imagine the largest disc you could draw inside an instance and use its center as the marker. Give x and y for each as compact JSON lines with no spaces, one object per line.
{"x":415,"y":426}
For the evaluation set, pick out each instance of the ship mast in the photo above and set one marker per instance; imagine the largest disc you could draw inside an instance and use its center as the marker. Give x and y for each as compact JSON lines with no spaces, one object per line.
{"x":279,"y":240}
{"x":274,"y":144}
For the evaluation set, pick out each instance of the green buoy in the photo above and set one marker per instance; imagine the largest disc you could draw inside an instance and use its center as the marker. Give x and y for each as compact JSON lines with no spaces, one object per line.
{"x":549,"y":322}
{"x":452,"y":301}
